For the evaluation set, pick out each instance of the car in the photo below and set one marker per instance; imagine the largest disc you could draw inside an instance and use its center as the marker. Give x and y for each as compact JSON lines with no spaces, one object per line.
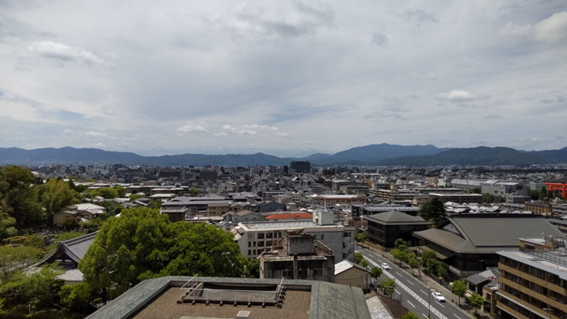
{"x":438,"y":296}
{"x":386,"y":266}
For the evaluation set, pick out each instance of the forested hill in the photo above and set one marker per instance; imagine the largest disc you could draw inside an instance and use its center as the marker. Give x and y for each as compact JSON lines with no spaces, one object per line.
{"x":377,"y":154}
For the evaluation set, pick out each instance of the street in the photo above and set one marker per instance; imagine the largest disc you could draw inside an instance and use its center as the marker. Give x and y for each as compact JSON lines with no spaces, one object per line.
{"x":415,"y":296}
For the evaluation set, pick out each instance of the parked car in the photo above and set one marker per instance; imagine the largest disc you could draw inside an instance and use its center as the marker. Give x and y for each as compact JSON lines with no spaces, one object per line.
{"x":438,"y":296}
{"x":386,"y":266}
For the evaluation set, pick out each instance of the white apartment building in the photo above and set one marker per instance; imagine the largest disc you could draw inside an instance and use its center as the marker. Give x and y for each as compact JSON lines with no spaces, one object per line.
{"x":255,"y":238}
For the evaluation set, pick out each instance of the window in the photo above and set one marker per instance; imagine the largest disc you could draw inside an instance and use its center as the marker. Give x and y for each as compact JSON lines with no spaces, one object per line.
{"x":322,"y":236}
{"x":260,"y":235}
{"x":249,"y":244}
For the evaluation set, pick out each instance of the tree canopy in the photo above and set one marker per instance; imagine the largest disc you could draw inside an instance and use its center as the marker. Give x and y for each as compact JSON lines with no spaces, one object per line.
{"x":54,"y":195}
{"x":476,"y":301}
{"x":18,"y":199}
{"x":433,"y":211}
{"x":143,"y":244}
{"x":460,"y":288}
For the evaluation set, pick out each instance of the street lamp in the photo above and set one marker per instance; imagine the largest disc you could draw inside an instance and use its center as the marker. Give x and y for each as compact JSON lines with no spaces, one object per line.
{"x":429,"y":303}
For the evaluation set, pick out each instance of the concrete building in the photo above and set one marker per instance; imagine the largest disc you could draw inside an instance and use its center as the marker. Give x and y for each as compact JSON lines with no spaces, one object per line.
{"x":533,"y":283}
{"x":214,"y":297}
{"x":504,"y":188}
{"x":458,"y":198}
{"x":303,"y":167}
{"x":329,"y":201}
{"x":255,"y":238}
{"x":385,"y":228}
{"x":298,"y":256}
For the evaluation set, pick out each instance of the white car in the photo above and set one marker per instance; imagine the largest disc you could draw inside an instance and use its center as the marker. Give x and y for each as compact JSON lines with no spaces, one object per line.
{"x":386,"y":266}
{"x":438,"y":296}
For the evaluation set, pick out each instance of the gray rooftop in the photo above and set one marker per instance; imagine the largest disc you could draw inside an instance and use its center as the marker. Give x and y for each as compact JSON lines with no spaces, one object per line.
{"x":487,"y":234}
{"x":543,"y":263}
{"x":328,"y":300}
{"x":395,"y":217}
{"x":75,"y":248}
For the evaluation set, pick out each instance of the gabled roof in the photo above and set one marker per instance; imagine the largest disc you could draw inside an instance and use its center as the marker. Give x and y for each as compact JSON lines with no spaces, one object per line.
{"x":75,"y":249}
{"x":395,"y":217}
{"x":346,"y":265}
{"x":487,"y":234}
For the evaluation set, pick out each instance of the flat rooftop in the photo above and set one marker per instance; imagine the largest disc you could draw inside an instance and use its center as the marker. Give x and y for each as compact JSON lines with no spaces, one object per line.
{"x":296,"y":305}
{"x":552,"y":261}
{"x":169,"y":298}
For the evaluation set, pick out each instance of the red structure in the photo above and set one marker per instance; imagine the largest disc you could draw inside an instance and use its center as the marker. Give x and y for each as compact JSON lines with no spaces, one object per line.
{"x":558,"y":187}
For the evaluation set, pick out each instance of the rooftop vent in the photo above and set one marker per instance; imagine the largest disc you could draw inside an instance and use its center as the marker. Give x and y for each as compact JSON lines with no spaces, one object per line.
{"x":243,"y":314}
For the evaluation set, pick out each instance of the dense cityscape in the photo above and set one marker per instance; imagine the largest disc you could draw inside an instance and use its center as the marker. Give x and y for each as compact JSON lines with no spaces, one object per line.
{"x":308,"y":159}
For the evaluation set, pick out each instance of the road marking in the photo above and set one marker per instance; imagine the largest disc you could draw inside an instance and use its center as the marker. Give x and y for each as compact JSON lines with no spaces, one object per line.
{"x":411,"y":304}
{"x":424,"y":315}
{"x":411,"y":283}
{"x":439,"y":304}
{"x":413,"y":294}
{"x":397,"y":291}
{"x":457,"y":316}
{"x":398,"y":274}
{"x":422,"y":291}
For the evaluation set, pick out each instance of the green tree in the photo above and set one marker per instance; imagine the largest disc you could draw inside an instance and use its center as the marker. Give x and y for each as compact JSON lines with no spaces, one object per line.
{"x":399,"y":254}
{"x":361,"y":238}
{"x":143,"y":244}
{"x":18,"y":197}
{"x":107,"y":192}
{"x":78,"y":297}
{"x":476,"y":301}
{"x":412,"y":261}
{"x":358,"y":257}
{"x":363,"y":263}
{"x":376,"y":272}
{"x":409,"y":315}
{"x":7,"y":223}
{"x":14,"y":258}
{"x":441,"y":271}
{"x":433,"y":211}
{"x":400,"y":242}
{"x":252,"y":268}
{"x":460,"y":288}
{"x":54,"y":195}
{"x":194,"y":191}
{"x":388,"y":286}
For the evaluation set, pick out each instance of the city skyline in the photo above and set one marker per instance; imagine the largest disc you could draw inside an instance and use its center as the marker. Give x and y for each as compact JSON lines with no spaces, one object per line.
{"x":288,"y":79}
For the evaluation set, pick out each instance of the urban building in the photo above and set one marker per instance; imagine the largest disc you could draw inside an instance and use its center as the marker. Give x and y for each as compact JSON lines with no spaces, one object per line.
{"x":256,"y":238}
{"x":215,"y":297}
{"x":303,"y":167}
{"x":533,"y":282}
{"x":385,"y":228}
{"x":351,"y":274}
{"x":539,"y":208}
{"x":459,"y":198}
{"x":468,"y":243}
{"x":298,"y":256}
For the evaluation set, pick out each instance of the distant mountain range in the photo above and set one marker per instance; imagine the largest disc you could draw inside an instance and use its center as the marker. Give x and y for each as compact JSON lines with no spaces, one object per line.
{"x":377,"y":154}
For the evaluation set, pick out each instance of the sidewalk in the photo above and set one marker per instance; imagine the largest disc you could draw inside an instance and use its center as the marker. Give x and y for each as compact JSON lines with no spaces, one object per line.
{"x":424,"y":279}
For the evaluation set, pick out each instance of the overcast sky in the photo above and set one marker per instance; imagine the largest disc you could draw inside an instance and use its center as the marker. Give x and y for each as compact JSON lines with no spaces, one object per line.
{"x":282,"y":77}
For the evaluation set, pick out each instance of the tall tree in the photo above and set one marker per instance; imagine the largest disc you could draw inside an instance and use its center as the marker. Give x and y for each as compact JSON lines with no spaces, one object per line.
{"x":460,"y":288}
{"x":433,"y":211}
{"x":376,"y":272}
{"x":54,"y":195}
{"x":388,"y":286}
{"x":143,"y":244}
{"x":476,"y":301}
{"x":18,"y":197}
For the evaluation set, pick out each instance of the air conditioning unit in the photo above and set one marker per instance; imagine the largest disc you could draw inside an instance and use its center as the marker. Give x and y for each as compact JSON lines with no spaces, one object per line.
{"x":243,"y":314}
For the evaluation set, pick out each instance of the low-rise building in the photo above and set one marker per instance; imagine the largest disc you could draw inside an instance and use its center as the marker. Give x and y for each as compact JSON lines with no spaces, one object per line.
{"x":385,"y":228}
{"x":351,"y":274}
{"x":539,"y":208}
{"x":298,"y":256}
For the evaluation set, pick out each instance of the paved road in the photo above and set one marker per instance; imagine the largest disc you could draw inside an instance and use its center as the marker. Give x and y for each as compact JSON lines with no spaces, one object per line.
{"x":415,"y":295}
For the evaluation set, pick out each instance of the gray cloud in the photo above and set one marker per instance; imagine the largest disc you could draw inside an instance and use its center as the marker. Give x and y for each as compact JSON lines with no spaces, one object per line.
{"x":149,"y":75}
{"x":419,"y":16}
{"x":378,"y":39}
